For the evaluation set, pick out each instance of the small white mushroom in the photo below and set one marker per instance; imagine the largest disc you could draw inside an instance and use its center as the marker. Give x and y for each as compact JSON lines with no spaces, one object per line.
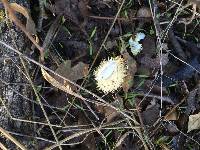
{"x":110,"y":74}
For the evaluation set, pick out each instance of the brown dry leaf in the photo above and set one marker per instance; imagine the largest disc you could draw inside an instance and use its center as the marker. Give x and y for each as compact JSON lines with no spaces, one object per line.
{"x":21,"y":9}
{"x":54,"y":82}
{"x":194,"y":122}
{"x":149,"y":46}
{"x":126,"y":141}
{"x":132,"y":68}
{"x":109,"y":112}
{"x":151,"y":114}
{"x":30,"y":25}
{"x":72,"y":73}
{"x":79,"y":71}
{"x":172,"y":116}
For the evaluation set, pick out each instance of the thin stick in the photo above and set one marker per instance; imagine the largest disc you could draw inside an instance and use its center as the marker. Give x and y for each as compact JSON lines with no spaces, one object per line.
{"x":120,"y":19}
{"x":8,"y":136}
{"x":3,"y":146}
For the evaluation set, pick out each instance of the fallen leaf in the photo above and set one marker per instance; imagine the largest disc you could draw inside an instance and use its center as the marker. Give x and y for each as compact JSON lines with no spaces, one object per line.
{"x":172,"y":128}
{"x":55,"y":83}
{"x":56,"y":98}
{"x":172,"y":116}
{"x":151,"y":114}
{"x":30,"y":25}
{"x":132,"y":68}
{"x":79,"y":71}
{"x":111,"y":113}
{"x":72,"y":73}
{"x":21,"y":9}
{"x":149,"y":46}
{"x":194,"y":122}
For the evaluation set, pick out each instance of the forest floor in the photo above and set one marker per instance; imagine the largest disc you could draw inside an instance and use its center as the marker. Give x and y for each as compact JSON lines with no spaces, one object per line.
{"x":111,"y":74}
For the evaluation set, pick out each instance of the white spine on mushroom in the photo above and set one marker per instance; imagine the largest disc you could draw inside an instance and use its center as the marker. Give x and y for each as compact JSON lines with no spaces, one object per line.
{"x":110,"y":74}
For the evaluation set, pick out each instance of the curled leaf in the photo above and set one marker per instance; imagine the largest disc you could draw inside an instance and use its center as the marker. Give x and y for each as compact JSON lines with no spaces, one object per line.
{"x":64,"y":87}
{"x":30,"y":25}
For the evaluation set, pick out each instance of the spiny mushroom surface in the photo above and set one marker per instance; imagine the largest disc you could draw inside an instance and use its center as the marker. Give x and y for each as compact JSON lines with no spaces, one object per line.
{"x":110,"y":74}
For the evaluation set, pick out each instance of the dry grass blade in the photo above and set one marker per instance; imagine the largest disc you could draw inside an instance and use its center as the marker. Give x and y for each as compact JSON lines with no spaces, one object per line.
{"x":73,"y":136}
{"x":2,"y":146}
{"x":122,"y":138}
{"x":40,"y":103}
{"x":8,"y":136}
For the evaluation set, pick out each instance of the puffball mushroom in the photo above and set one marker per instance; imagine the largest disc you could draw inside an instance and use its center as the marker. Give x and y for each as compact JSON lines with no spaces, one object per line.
{"x":110,"y":74}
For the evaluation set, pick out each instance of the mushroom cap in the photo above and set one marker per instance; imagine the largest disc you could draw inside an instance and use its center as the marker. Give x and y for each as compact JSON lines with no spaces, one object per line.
{"x":110,"y":74}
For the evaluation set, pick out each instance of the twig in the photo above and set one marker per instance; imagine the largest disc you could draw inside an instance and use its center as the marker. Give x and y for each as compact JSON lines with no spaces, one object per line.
{"x":120,"y":19}
{"x":154,"y":12}
{"x":3,"y":146}
{"x":8,"y":136}
{"x":173,"y":109}
{"x":140,"y":116}
{"x":194,"y":7}
{"x":165,"y":98}
{"x":72,"y":137}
